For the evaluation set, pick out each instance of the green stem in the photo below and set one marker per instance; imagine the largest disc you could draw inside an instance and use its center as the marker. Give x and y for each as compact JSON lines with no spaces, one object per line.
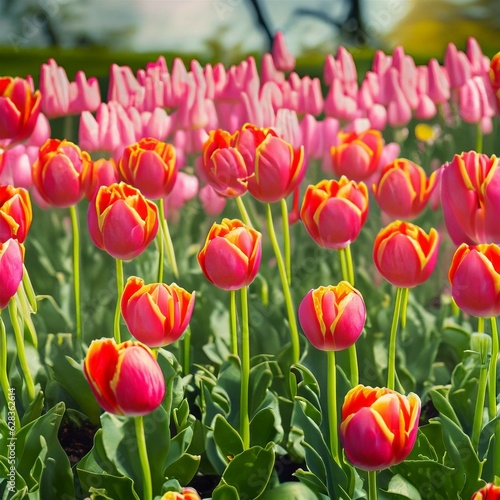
{"x":28,"y":290}
{"x":161,"y":253}
{"x":492,"y":371}
{"x":353,"y":366}
{"x":4,"y":376}
{"x":243,"y":211}
{"x":245,"y":370}
{"x":350,"y":268}
{"x":372,"y":485}
{"x":186,"y":350}
{"x":480,"y":325}
{"x":479,"y":138}
{"x":332,"y":406}
{"x":21,"y":351}
{"x":343,"y":265}
{"x":68,"y":127}
{"x":404,"y":306}
{"x":76,"y":273}
{"x":168,"y":240}
{"x":286,"y":289}
{"x":496,"y":456}
{"x":147,"y":486}
{"x":478,"y":412}
{"x":286,"y":241}
{"x":391,"y":362}
{"x":119,"y":289}
{"x":233,"y":323}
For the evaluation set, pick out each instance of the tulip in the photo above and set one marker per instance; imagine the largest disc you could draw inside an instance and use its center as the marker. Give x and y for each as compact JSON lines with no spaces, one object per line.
{"x":333,"y":317}
{"x":282,"y":57}
{"x":475,"y":279}
{"x":379,"y":426}
{"x":101,"y":172}
{"x":404,"y":254}
{"x":19,"y":108}
{"x":187,"y":494}
{"x":403,"y":189}
{"x":230,"y":258}
{"x":11,"y":269}
{"x":495,"y":75}
{"x":156,"y":314}
{"x":334,"y":212}
{"x":58,"y":172}
{"x":488,"y":492}
{"x":357,"y":156}
{"x":149,"y":165}
{"x":125,"y":378}
{"x":211,"y":201}
{"x":470,"y":198}
{"x":223,"y":165}
{"x":121,"y":221}
{"x":15,"y":213}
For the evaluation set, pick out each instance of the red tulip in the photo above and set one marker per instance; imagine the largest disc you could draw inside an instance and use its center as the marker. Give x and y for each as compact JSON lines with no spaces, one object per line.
{"x":333,"y":212}
{"x":101,"y":172}
{"x":230,"y":258}
{"x":333,"y":317}
{"x":19,"y":108}
{"x":121,"y":221}
{"x":379,"y":426}
{"x":404,"y":254}
{"x":358,"y":155}
{"x":470,"y":195}
{"x":475,"y":279}
{"x":11,"y":269}
{"x":149,"y":165}
{"x":126,"y":378}
{"x":156,"y":314}
{"x":58,"y":172}
{"x":403,"y":189}
{"x":15,"y":213}
{"x":488,"y":492}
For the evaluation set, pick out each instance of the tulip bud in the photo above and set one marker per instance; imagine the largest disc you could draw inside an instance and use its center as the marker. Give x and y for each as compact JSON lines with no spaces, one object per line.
{"x":125,"y":378}
{"x":379,"y":426}
{"x":357,"y":156}
{"x":333,"y":317}
{"x":15,"y":213}
{"x":230,"y":258}
{"x":475,"y":277}
{"x":58,"y":172}
{"x":121,"y":221}
{"x":488,"y":492}
{"x":334,"y":212}
{"x":404,"y":254}
{"x":19,"y":108}
{"x":11,"y":269}
{"x":403,"y":189}
{"x":149,"y":165}
{"x":156,"y":314}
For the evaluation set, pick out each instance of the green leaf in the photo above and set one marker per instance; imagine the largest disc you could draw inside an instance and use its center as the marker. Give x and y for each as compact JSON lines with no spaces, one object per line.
{"x":260,"y":381}
{"x":399,"y":487}
{"x":311,"y":481}
{"x":290,"y":491}
{"x":443,"y":406}
{"x":266,"y":427}
{"x":225,"y":492}
{"x":227,"y":438}
{"x":184,"y":469}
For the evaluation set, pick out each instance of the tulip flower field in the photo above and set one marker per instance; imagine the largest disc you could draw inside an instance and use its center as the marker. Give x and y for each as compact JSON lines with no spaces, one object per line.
{"x":249,"y":283}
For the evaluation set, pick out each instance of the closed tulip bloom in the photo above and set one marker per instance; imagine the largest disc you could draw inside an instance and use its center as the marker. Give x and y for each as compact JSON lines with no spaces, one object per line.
{"x":156,"y":314}
{"x":187,"y":494}
{"x":470,"y":196}
{"x":379,"y":426}
{"x":15,"y":213}
{"x":11,"y":269}
{"x":495,"y":75}
{"x":149,"y":165}
{"x":274,"y":167}
{"x":223,"y":165}
{"x":403,"y":189}
{"x":357,"y":155}
{"x":334,"y":212}
{"x":333,"y":317}
{"x":125,"y":378}
{"x":475,"y":279}
{"x":488,"y":492}
{"x":121,"y":221}
{"x":230,"y":258}
{"x":404,"y":254}
{"x":19,"y":108}
{"x":58,"y":172}
{"x":102,"y":172}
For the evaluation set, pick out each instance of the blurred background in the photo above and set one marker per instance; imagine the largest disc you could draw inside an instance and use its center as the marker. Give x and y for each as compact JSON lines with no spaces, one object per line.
{"x":136,"y":31}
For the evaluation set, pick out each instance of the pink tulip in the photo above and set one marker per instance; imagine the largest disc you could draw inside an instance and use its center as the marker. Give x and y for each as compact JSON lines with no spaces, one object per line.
{"x":439,"y":87}
{"x":11,"y":269}
{"x":333,"y":317}
{"x":211,"y":201}
{"x":283,"y":58}
{"x":99,"y":173}
{"x":457,"y":65}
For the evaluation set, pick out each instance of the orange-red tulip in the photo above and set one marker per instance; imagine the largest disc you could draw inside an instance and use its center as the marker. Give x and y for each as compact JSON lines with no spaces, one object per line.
{"x":11,"y":269}
{"x":488,"y":492}
{"x":15,"y":213}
